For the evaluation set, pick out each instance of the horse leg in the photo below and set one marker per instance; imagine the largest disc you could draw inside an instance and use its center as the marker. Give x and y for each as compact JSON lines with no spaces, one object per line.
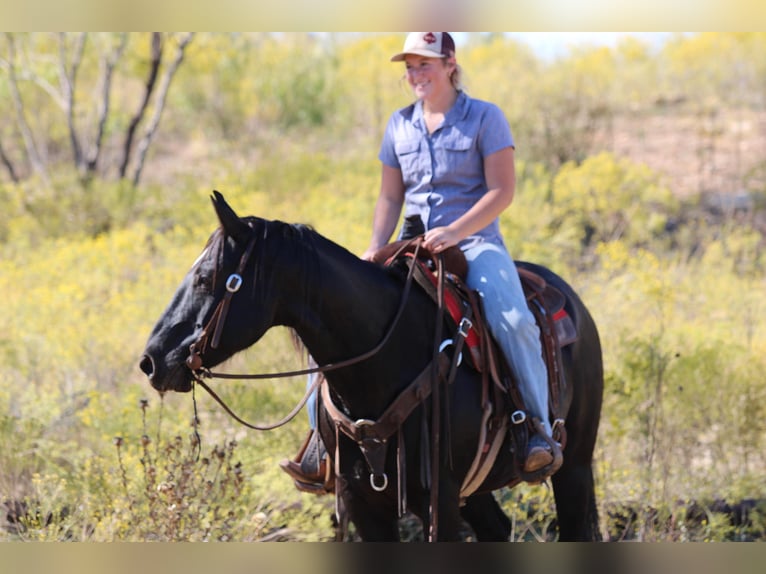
{"x":489,"y":522}
{"x":573,"y":486}
{"x":573,"y":490}
{"x":372,"y":528}
{"x":374,"y":522}
{"x":340,"y":520}
{"x":449,"y":519}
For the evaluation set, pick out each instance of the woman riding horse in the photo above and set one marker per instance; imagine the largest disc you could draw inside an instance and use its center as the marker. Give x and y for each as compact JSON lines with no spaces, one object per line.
{"x":449,"y":160}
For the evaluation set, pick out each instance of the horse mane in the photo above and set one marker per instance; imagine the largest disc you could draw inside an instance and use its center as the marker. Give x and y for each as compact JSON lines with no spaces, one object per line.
{"x":304,"y":244}
{"x":300,"y":242}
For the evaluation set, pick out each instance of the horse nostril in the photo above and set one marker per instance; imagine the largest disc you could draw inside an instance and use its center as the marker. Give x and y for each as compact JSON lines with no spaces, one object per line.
{"x":147,"y":366}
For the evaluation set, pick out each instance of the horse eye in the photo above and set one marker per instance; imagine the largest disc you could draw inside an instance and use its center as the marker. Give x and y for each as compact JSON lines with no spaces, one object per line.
{"x":202,"y":281}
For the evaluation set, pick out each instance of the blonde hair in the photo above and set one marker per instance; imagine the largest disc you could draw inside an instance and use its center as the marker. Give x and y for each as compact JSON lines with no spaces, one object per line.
{"x":457,"y":77}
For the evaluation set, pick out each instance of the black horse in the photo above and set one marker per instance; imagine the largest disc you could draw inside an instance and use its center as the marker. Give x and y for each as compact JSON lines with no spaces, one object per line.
{"x":340,"y":307}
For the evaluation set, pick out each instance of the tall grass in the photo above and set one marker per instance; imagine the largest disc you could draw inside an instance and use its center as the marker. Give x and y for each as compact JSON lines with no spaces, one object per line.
{"x":88,"y":451}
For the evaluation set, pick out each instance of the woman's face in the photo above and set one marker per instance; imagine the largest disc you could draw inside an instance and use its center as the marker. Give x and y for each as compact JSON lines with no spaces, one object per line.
{"x":428,"y":76}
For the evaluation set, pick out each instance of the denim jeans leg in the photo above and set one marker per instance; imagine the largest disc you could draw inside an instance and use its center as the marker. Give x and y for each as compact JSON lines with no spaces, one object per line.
{"x":492,"y":273}
{"x":311,"y":403}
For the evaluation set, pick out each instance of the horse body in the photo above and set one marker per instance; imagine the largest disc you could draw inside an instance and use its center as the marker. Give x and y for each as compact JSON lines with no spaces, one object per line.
{"x":340,"y":307}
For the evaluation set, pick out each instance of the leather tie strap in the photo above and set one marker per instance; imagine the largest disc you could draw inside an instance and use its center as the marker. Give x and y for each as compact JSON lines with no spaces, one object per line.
{"x":396,"y":413}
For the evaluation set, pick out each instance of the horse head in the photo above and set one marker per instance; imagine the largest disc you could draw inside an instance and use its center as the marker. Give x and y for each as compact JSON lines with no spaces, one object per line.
{"x":189,"y":335}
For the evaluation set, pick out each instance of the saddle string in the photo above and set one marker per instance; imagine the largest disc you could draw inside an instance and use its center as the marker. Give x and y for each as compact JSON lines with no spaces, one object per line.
{"x":433,"y":530}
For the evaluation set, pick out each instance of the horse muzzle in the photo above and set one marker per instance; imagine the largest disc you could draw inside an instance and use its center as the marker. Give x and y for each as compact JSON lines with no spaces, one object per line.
{"x":177,"y":379}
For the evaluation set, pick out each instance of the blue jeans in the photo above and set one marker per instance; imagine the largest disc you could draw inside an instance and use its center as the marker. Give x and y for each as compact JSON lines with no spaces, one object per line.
{"x":492,"y":273}
{"x":311,"y":403}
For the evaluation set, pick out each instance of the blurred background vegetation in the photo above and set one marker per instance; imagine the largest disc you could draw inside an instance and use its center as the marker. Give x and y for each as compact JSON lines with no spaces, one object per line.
{"x":641,"y":179}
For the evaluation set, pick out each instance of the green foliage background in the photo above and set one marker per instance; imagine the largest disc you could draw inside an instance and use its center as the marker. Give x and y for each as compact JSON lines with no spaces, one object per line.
{"x":287,"y":126}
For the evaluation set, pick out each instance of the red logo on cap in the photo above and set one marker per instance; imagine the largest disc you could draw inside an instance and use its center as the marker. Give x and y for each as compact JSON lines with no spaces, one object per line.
{"x":429,"y":38}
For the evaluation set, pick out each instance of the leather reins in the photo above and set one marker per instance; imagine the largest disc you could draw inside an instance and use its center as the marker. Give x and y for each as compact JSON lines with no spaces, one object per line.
{"x":218,"y":318}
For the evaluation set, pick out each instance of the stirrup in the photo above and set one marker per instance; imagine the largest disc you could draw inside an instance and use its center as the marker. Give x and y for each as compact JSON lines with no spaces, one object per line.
{"x":311,"y":469}
{"x":544,"y":473}
{"x":314,"y":487}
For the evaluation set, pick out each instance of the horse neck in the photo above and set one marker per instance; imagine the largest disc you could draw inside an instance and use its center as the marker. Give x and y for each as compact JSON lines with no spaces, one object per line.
{"x":343,"y":304}
{"x":346,"y":310}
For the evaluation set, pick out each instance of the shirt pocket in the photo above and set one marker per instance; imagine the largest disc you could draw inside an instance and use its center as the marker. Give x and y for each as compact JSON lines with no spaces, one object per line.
{"x":407,"y":154}
{"x":458,"y":143}
{"x":461,"y":159}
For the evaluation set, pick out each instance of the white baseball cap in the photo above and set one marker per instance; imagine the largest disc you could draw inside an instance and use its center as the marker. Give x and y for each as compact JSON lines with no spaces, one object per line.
{"x":428,"y":44}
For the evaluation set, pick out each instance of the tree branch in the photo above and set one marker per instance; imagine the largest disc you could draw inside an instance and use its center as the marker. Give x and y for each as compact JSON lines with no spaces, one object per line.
{"x":167,"y":77}
{"x":8,"y":165}
{"x":30,"y":146}
{"x":26,"y":73}
{"x":109,"y":62}
{"x":156,"y":60}
{"x":68,"y":81}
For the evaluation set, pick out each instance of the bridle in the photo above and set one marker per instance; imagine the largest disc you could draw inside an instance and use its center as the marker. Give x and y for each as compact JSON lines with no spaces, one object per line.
{"x":216,"y":324}
{"x":218,"y":319}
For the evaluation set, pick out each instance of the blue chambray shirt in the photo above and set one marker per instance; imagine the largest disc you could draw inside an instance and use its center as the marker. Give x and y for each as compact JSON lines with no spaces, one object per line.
{"x":443,"y":172}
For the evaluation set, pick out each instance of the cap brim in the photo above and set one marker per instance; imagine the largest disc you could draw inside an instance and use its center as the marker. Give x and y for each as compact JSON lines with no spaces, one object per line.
{"x":426,"y":53}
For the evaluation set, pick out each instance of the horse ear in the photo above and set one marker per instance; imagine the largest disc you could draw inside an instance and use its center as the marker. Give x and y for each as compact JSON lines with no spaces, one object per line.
{"x":230,"y":221}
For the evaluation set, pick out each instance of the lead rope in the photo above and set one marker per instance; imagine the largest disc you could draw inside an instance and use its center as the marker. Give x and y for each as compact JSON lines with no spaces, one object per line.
{"x":433,"y":531}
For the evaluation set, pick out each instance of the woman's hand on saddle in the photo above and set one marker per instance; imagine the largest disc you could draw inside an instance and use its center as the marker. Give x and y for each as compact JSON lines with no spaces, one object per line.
{"x":368,"y":254}
{"x":440,"y":238}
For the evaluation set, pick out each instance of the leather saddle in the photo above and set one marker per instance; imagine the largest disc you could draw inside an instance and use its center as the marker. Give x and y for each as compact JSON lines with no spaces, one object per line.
{"x":498,"y":386}
{"x":546,"y":302}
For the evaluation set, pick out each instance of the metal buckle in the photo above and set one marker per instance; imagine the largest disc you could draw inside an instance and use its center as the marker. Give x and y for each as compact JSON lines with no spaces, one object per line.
{"x":367,"y":423}
{"x":383,"y":486}
{"x":233,"y":283}
{"x":518,"y":417}
{"x":464,"y":327}
{"x":446,"y":343}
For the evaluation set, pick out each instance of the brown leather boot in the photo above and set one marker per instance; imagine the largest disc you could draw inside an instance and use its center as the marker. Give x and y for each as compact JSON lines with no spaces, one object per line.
{"x":543,"y":458}
{"x":539,"y":454}
{"x":309,"y":469}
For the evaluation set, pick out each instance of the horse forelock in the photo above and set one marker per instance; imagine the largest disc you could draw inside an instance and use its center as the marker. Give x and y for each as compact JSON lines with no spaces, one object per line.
{"x":281,"y":245}
{"x":296,"y":248}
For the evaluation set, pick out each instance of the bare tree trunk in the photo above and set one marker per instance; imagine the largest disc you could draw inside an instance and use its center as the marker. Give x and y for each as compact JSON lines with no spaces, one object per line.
{"x":156,"y":60}
{"x":68,"y":81}
{"x":30,"y":146}
{"x":167,"y":77}
{"x":8,"y":165}
{"x":109,"y":62}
